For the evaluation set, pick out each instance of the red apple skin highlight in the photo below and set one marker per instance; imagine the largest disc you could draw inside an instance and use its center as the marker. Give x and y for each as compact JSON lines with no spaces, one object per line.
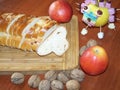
{"x":61,"y":11}
{"x":94,"y":60}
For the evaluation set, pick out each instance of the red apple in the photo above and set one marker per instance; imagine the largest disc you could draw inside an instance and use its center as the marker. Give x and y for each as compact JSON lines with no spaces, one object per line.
{"x":94,"y":60}
{"x":61,"y":11}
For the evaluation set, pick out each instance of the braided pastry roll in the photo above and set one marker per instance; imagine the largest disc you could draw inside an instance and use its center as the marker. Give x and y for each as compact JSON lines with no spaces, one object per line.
{"x":39,"y":34}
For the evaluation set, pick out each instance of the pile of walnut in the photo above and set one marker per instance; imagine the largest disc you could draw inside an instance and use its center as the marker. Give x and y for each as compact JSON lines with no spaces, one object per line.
{"x":56,"y":80}
{"x":53,"y":80}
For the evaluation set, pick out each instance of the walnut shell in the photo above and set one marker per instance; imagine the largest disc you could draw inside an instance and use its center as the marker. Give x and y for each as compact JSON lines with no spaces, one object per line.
{"x":77,"y":74}
{"x":17,"y":78}
{"x":73,"y":85}
{"x":44,"y":85}
{"x":51,"y":75}
{"x":67,"y":73}
{"x":57,"y":85}
{"x":91,"y":42}
{"x":62,"y":77}
{"x":34,"y":81}
{"x":82,"y":49}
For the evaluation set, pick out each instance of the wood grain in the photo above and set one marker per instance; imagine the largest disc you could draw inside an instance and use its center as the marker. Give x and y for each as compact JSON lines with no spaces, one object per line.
{"x":109,"y":80}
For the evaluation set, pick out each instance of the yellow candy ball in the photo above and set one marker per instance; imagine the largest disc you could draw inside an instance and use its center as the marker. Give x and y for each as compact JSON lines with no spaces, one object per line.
{"x":103,"y":18}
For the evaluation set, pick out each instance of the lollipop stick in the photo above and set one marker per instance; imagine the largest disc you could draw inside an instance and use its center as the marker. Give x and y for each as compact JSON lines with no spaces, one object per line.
{"x":100,"y":29}
{"x":86,"y":27}
{"x":77,"y":9}
{"x":77,"y":3}
{"x":118,"y":19}
{"x":118,"y":9}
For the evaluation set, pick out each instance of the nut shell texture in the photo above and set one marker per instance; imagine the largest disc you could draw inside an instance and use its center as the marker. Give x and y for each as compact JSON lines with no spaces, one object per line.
{"x":82,"y":49}
{"x":91,"y":42}
{"x":57,"y":85}
{"x":51,"y":75}
{"x":17,"y":78}
{"x":73,"y":85}
{"x":62,"y":77}
{"x":44,"y":85}
{"x":77,"y":74}
{"x":34,"y":81}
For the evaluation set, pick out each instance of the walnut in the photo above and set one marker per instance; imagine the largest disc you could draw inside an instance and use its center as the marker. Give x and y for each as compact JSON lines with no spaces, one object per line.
{"x":57,"y":85}
{"x":91,"y":42}
{"x":77,"y":74}
{"x":67,"y":73}
{"x":51,"y":75}
{"x":62,"y":77}
{"x":44,"y":85}
{"x":73,"y":85}
{"x":34,"y":81}
{"x":82,"y":49}
{"x":17,"y":78}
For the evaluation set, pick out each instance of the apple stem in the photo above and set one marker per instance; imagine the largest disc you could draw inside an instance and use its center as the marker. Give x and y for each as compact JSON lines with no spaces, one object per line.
{"x":97,"y":51}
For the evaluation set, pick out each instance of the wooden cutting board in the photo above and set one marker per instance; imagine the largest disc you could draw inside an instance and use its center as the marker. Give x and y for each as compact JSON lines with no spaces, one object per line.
{"x":18,"y":60}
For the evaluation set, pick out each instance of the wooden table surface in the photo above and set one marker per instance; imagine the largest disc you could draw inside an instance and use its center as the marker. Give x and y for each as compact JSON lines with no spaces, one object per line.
{"x":109,"y":80}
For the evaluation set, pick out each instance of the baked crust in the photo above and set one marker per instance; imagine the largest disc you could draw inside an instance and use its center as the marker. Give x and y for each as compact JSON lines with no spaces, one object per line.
{"x":23,"y":31}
